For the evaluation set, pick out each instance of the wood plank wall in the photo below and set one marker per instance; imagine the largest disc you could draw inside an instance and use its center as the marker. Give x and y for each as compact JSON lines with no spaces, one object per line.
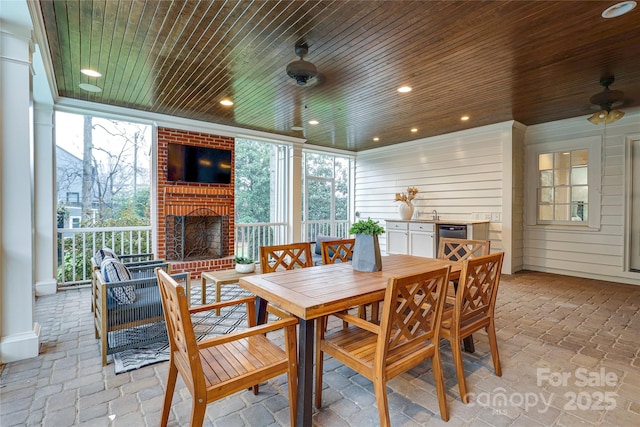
{"x":598,"y":253}
{"x":461,"y":175}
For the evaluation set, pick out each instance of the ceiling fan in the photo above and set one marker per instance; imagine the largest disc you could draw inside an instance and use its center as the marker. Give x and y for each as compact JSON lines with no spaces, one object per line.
{"x":301,"y":71}
{"x":606,"y":101}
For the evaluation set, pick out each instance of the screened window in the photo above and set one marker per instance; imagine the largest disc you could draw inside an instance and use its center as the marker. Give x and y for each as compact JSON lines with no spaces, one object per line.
{"x":326,"y":199}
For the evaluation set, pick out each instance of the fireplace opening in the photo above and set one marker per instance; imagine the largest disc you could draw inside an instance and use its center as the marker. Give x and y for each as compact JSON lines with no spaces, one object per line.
{"x":201,"y":234}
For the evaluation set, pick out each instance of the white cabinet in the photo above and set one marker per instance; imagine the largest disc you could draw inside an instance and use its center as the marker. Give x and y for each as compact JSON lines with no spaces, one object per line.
{"x":412,"y":238}
{"x":397,"y":237}
{"x":421,"y":240}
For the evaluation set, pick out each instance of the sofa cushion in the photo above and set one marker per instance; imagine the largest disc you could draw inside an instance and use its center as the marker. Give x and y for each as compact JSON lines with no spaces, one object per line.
{"x":114,"y":271}
{"x":103,"y":254}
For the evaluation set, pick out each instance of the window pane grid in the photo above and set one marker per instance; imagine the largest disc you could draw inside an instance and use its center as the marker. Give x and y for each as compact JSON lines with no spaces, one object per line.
{"x":562,"y":187}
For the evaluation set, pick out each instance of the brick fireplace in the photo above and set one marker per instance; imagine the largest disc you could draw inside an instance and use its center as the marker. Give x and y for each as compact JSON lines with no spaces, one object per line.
{"x":190,"y":202}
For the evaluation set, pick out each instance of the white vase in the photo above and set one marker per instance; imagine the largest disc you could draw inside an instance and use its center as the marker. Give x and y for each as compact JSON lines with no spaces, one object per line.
{"x":406,"y":210}
{"x":245,"y":268}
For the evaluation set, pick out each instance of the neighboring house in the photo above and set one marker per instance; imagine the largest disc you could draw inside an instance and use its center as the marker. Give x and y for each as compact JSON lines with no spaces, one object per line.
{"x":69,"y":186}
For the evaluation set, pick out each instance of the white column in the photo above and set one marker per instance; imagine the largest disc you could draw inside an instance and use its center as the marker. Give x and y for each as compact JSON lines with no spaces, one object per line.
{"x":45,"y":201}
{"x":19,"y":334}
{"x":295,"y":194}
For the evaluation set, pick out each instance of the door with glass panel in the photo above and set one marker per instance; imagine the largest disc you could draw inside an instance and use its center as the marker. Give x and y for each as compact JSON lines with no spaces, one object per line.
{"x":635,"y":206}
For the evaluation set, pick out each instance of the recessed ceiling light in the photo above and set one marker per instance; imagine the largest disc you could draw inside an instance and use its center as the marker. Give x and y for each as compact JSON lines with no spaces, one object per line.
{"x":91,"y":73}
{"x":414,"y":130}
{"x":313,"y":122}
{"x":226,"y":102}
{"x":619,"y":9}
{"x":298,"y":128}
{"x":89,"y":88}
{"x":464,"y":118}
{"x":376,"y":139}
{"x":404,"y":89}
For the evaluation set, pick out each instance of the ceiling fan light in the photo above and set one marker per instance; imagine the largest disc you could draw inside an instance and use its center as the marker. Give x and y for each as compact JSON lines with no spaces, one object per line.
{"x":604,"y":116}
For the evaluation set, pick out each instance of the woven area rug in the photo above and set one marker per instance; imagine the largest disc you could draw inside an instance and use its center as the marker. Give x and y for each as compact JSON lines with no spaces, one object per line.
{"x":205,"y":325}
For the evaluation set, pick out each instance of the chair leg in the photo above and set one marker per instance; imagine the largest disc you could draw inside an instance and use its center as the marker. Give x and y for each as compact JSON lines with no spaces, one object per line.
{"x":103,"y":347}
{"x":292,"y":355}
{"x":456,"y":349}
{"x":493,"y":344}
{"x":380,"y":388}
{"x":197,"y":411}
{"x":436,"y":364}
{"x":168,"y":393}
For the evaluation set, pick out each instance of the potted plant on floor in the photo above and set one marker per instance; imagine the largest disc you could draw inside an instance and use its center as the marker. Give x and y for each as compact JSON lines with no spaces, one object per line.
{"x":366,"y":252}
{"x":244,"y":264}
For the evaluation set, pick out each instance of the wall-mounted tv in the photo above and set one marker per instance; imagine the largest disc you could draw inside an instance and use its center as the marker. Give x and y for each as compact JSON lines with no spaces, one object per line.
{"x":188,"y":163}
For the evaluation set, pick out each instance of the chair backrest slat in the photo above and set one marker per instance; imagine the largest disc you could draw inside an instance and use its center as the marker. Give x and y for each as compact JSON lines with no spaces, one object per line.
{"x":478,"y":287}
{"x":337,"y":250}
{"x":285,"y":257}
{"x":182,"y":338}
{"x":462,"y":249}
{"x":413,"y":310}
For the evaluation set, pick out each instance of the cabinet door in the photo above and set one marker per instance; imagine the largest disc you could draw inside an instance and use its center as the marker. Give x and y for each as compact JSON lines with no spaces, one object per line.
{"x":421,"y":244}
{"x":397,"y":237}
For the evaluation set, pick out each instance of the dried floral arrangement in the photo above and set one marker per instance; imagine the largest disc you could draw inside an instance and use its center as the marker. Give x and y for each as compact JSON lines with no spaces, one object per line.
{"x":408,"y":196}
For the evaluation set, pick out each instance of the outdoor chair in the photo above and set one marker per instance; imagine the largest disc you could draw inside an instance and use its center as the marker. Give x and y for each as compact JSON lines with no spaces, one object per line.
{"x":127,"y":308}
{"x":218,"y":367}
{"x":130,"y":260}
{"x":473,"y":310}
{"x":462,"y":249}
{"x":408,"y":334}
{"x":341,"y":250}
{"x":284,"y":257}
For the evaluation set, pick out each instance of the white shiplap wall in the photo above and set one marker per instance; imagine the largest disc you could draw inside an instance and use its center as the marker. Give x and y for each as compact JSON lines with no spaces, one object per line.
{"x":457,"y":174}
{"x":599,"y":253}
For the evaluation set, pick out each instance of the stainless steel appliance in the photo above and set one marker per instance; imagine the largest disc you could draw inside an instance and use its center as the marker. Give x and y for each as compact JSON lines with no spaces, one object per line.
{"x":455,"y":231}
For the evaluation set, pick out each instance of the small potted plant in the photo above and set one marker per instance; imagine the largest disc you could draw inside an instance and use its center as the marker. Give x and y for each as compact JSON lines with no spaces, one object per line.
{"x":244,"y":264}
{"x":366,"y":252}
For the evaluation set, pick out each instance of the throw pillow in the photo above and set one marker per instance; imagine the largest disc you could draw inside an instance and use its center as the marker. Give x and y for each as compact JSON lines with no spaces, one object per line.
{"x":114,"y":271}
{"x":103,"y":254}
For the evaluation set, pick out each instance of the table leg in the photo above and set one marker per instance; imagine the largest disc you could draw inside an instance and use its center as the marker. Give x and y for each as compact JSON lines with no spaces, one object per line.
{"x":261,"y":311}
{"x":305,"y":372}
{"x":467,"y":344}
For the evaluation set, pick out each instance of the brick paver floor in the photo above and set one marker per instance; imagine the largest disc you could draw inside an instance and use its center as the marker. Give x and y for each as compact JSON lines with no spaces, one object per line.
{"x":569,"y":349}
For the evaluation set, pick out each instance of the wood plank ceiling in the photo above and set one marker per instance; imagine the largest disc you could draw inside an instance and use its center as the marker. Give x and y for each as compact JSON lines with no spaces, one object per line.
{"x":530,"y":61}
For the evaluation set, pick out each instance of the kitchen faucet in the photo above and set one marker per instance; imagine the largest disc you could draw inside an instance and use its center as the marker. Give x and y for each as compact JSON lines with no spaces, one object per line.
{"x":434,"y":215}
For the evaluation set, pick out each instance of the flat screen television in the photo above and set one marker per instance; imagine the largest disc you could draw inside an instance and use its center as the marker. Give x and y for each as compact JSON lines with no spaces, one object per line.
{"x":188,"y":163}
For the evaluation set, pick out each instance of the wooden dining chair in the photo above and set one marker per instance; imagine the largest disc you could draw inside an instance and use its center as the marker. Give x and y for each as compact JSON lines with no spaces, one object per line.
{"x":220,"y":366}
{"x":407,"y":335}
{"x":473,"y":310}
{"x":341,"y":250}
{"x":462,"y":249}
{"x":285,"y":257}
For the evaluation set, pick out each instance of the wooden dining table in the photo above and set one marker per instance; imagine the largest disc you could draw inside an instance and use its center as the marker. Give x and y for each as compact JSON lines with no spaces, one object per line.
{"x":313,"y":292}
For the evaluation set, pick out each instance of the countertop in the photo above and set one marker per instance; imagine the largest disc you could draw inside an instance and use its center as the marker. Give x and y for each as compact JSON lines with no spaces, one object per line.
{"x":442,"y":221}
